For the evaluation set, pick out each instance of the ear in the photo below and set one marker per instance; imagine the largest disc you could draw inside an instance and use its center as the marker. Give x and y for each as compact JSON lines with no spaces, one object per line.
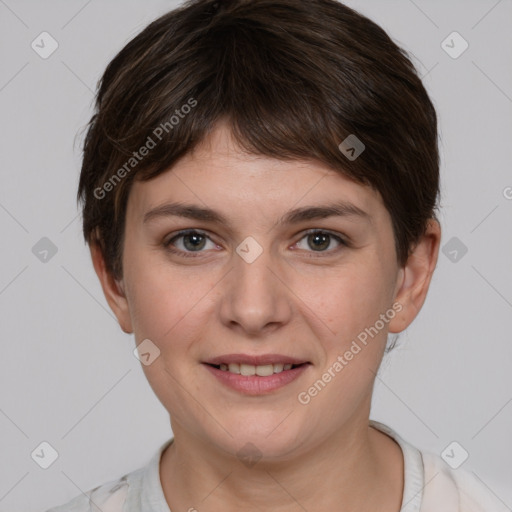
{"x":112,"y":288}
{"x":414,"y":278}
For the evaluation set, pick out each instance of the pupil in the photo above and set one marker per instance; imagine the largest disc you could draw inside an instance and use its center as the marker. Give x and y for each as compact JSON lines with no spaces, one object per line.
{"x":195,"y":245}
{"x":317,"y":236}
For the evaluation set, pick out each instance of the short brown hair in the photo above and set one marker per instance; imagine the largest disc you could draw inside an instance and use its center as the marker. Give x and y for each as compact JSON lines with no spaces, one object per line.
{"x":293,"y":78}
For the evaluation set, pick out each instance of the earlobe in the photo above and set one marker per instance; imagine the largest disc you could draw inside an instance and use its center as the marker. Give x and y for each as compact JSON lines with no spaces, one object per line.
{"x":415,"y":277}
{"x":114,"y":290}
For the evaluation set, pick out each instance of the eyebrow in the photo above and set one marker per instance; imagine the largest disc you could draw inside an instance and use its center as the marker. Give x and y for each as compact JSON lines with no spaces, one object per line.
{"x":191,"y":211}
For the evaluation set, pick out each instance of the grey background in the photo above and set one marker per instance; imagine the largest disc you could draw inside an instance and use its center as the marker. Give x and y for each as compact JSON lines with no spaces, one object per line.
{"x":68,"y":373}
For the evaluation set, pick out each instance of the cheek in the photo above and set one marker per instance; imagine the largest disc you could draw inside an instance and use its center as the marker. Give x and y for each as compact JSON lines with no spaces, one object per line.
{"x":168,"y":308}
{"x":165,"y":303}
{"x":346,"y":301}
{"x":352,"y":347}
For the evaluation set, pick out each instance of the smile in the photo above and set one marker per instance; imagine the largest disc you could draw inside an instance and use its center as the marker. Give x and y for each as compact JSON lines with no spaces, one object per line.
{"x":248,"y":370}
{"x":255,"y":375}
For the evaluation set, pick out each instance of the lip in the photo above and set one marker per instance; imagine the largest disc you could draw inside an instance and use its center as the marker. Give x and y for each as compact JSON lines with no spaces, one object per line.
{"x":253,"y":384}
{"x":255,"y":360}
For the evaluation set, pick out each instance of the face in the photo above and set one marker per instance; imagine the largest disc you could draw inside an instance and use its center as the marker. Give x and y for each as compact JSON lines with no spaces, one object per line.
{"x":262,"y":287}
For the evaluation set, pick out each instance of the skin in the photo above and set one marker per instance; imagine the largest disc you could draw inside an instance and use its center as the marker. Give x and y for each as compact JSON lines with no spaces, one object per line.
{"x":319,"y":456}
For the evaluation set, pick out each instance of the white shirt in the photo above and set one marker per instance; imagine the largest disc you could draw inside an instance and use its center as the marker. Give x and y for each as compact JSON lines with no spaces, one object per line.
{"x":430,"y":485}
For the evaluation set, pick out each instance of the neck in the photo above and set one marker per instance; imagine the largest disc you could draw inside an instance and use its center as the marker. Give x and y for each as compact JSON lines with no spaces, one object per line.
{"x":355,"y":468}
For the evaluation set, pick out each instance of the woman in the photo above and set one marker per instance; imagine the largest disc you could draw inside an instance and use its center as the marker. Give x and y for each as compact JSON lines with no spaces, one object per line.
{"x":259,"y":188}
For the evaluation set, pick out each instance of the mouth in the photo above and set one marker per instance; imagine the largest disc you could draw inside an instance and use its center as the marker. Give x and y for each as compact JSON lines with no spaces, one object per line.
{"x":256,"y":375}
{"x":248,"y":370}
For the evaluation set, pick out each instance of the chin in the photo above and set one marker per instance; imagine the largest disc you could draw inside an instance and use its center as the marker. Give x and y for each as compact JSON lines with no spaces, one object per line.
{"x":261,"y":436}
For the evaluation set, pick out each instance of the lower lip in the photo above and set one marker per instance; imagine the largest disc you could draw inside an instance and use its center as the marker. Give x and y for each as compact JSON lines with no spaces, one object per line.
{"x":255,"y":385}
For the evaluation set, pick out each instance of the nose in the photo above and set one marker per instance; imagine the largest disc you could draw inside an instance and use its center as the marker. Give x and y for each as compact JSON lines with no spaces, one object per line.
{"x":256,"y":298}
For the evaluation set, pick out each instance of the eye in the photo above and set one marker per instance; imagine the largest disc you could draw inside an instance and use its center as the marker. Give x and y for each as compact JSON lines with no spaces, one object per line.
{"x":193,"y":241}
{"x":319,"y":240}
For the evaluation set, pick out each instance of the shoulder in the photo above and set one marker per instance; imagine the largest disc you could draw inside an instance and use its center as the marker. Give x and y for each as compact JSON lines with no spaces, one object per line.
{"x":109,"y":497}
{"x":455,"y":489}
{"x":431,"y":485}
{"x":134,"y":491}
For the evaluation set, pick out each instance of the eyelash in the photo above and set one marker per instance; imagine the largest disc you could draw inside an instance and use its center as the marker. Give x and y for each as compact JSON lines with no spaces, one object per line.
{"x":185,"y":254}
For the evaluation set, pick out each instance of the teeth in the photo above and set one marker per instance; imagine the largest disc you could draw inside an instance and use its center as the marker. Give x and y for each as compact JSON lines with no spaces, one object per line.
{"x":247,"y":370}
{"x":265,"y":370}
{"x":234,"y":368}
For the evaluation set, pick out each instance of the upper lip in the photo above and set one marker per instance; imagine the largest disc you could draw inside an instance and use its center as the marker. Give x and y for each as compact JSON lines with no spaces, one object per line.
{"x":258,"y":360}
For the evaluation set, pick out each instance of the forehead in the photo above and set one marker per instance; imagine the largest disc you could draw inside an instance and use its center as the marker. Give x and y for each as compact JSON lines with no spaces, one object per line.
{"x":220,"y":175}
